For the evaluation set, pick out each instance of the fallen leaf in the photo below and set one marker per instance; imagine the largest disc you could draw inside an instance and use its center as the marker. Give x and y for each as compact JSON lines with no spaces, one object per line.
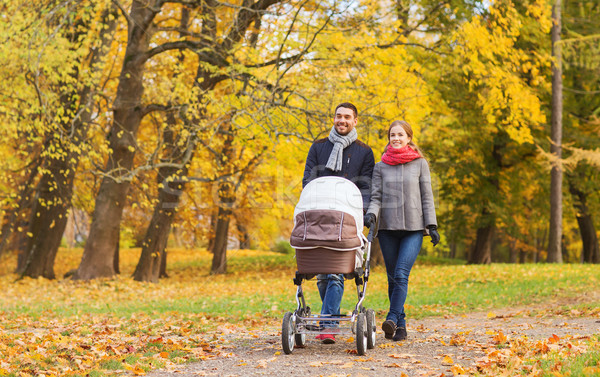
{"x":457,"y":370}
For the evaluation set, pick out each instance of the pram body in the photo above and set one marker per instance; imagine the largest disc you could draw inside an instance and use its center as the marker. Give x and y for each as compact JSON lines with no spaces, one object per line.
{"x":328,"y":238}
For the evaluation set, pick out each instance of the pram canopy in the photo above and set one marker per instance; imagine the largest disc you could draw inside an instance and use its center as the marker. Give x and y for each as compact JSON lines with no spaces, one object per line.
{"x":329,"y":214}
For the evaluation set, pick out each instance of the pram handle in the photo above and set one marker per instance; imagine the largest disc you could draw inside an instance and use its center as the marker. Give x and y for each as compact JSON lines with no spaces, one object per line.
{"x":371,"y":234}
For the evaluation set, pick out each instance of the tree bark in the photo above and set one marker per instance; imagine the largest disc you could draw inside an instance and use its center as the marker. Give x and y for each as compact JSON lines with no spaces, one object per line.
{"x":48,"y":220}
{"x":590,"y":253}
{"x":482,"y":249}
{"x":17,"y":217}
{"x":243,"y":235}
{"x":554,"y":244}
{"x":157,"y":234}
{"x":117,"y":254}
{"x":98,"y":255}
{"x":219,"y":250}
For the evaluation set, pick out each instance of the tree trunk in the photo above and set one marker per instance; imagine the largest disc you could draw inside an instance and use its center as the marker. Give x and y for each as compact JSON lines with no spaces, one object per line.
{"x":152,"y":263}
{"x":513,"y":252}
{"x":117,"y":254}
{"x":98,"y":254}
{"x":48,"y":221}
{"x":213,"y":230}
{"x":219,"y":250}
{"x":482,"y":250}
{"x":17,"y":217}
{"x":554,"y":244}
{"x":243,"y":235}
{"x":157,"y":234}
{"x":587,"y":230}
{"x":163,"y":265}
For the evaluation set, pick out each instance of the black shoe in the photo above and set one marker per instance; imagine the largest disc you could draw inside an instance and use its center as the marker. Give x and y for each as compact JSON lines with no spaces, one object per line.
{"x":388,"y":328}
{"x":400,"y":334}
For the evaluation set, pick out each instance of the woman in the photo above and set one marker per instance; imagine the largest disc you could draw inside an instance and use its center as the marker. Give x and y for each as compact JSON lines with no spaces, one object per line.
{"x":402,"y":199}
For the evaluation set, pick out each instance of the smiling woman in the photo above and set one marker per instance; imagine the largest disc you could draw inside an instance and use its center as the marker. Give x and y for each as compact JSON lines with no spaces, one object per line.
{"x":402,"y":199}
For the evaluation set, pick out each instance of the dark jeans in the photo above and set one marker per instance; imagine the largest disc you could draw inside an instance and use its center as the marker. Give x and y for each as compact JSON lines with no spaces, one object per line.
{"x":400,"y":249}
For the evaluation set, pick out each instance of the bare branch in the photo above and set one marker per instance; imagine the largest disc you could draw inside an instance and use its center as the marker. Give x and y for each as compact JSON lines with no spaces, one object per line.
{"x":247,"y":15}
{"x":123,"y":11}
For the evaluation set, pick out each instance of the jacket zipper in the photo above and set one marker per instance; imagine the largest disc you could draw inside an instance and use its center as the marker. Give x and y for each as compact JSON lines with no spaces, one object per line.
{"x":341,"y":223}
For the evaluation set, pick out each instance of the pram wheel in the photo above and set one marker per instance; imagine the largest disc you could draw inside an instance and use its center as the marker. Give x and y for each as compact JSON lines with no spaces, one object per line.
{"x":288,"y":333}
{"x":361,"y":334}
{"x":371,"y":328}
{"x":300,"y":340}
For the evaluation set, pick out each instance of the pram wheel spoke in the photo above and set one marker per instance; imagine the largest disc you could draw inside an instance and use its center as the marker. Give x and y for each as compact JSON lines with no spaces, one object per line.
{"x":361,"y":334}
{"x":288,"y":333}
{"x":371,"y":328}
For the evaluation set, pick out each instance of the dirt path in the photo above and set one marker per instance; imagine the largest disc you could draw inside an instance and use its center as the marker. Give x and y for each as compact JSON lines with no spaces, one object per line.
{"x":433,"y":347}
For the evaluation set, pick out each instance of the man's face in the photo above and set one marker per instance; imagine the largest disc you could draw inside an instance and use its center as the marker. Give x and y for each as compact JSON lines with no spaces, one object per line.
{"x":344,"y":120}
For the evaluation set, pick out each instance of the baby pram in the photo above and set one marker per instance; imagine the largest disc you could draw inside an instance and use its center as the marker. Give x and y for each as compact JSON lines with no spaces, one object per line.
{"x":328,"y":238}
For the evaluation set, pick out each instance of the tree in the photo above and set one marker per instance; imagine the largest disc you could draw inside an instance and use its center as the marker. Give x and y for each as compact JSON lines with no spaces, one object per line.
{"x":554,"y":244}
{"x":55,"y":186}
{"x":98,"y":256}
{"x":580,"y":34}
{"x":491,"y":111}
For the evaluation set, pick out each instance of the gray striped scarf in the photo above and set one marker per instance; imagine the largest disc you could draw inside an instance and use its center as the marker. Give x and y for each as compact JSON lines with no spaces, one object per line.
{"x":339,"y":143}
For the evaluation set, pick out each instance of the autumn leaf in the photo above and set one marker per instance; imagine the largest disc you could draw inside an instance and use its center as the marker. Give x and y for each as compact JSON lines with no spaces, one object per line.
{"x":457,"y":370}
{"x":499,"y":338}
{"x":447,"y":360}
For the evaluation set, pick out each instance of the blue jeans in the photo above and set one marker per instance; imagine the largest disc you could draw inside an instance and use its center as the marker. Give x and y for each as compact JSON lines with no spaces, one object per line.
{"x":400,"y":249}
{"x":331,"y":289}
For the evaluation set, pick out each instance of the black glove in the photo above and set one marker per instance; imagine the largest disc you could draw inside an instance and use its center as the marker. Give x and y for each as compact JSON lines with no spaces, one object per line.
{"x":369,"y":220}
{"x":435,"y":236}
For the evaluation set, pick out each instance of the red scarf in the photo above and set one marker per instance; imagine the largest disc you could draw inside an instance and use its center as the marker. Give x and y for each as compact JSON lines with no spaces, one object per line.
{"x":395,"y":156}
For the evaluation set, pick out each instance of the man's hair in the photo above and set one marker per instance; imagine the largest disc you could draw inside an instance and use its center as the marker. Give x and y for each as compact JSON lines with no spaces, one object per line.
{"x":347,"y":105}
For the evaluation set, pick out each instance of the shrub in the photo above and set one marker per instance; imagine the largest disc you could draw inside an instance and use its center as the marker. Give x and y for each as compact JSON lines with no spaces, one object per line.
{"x":283,"y":247}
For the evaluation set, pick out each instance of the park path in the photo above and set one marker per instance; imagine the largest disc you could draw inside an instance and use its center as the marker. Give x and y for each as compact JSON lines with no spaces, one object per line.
{"x":435,"y":347}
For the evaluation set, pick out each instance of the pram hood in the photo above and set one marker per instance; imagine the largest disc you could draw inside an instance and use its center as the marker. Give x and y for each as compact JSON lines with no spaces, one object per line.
{"x":329,"y":200}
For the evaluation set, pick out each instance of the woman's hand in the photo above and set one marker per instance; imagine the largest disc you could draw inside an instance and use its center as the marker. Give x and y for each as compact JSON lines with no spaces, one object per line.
{"x":369,"y":220}
{"x":435,"y":236}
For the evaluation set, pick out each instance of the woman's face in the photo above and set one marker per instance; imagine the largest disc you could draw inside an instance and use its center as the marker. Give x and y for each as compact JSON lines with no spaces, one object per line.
{"x":398,"y":137}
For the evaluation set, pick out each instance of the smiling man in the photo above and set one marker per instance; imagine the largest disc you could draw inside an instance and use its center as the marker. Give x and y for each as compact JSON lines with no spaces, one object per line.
{"x":343,"y":155}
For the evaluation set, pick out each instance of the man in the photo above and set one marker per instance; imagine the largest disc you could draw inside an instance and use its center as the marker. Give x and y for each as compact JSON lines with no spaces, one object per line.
{"x":343,"y":155}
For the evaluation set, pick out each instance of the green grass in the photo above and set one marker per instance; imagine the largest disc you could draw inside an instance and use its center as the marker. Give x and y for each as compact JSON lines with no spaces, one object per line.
{"x":584,"y":364}
{"x":259,"y":285}
{"x":268,"y":291}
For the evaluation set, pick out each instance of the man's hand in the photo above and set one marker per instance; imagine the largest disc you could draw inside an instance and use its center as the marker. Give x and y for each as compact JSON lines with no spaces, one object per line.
{"x":369,"y":220}
{"x":435,"y":236}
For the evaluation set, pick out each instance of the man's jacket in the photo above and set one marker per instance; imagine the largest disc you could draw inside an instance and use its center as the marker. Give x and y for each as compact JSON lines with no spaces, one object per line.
{"x":357,"y":165}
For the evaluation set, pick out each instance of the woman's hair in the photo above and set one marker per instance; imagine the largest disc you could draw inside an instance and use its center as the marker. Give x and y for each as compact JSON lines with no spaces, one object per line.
{"x":409,"y":132}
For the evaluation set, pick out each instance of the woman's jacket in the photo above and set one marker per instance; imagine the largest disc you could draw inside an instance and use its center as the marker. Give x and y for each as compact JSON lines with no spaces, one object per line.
{"x":401,"y":196}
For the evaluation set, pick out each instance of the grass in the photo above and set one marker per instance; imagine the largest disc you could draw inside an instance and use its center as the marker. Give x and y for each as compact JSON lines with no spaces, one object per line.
{"x":584,"y":364}
{"x":259,"y":284}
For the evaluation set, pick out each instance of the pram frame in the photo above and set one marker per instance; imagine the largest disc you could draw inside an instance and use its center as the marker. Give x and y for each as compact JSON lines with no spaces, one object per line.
{"x":296,"y":325}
